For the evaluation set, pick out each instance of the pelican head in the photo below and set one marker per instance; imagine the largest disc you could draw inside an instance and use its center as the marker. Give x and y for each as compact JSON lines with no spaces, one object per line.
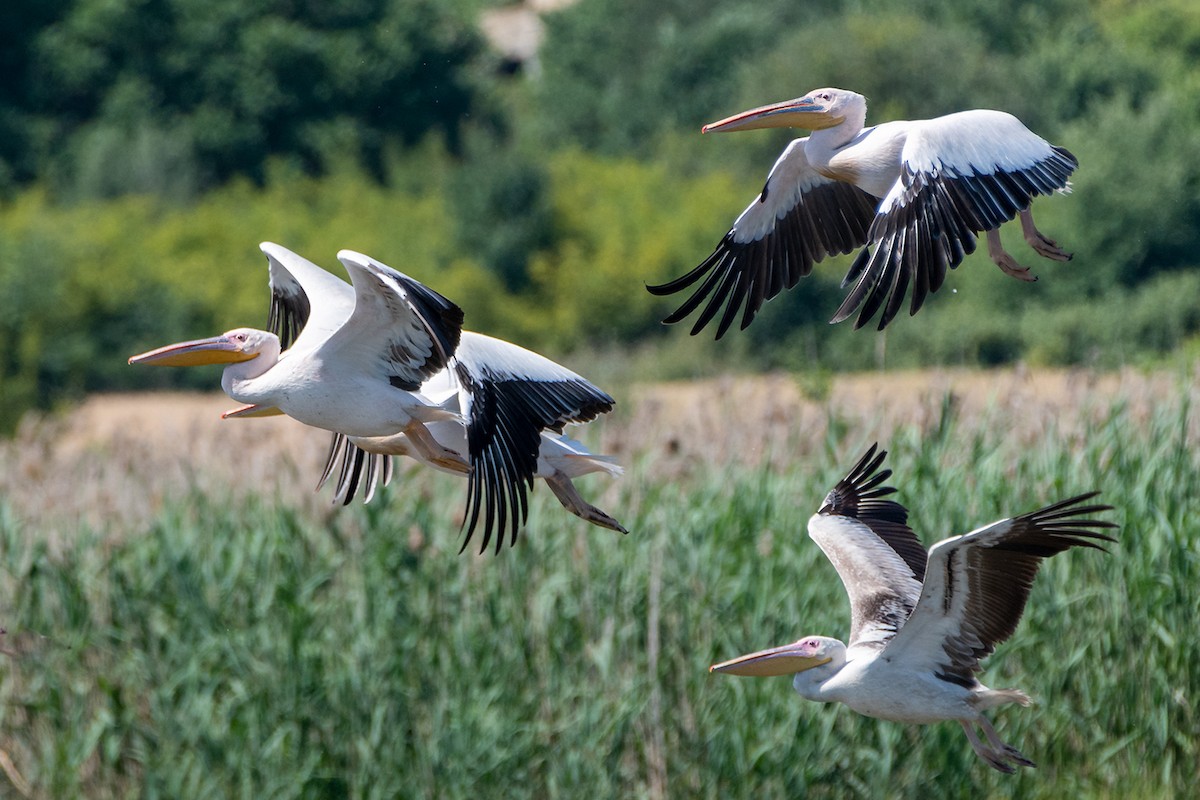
{"x":239,"y":344}
{"x":789,"y":659}
{"x":821,"y":108}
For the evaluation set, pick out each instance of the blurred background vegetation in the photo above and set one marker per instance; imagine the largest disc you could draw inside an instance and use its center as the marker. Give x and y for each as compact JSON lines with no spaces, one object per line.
{"x":147,"y":146}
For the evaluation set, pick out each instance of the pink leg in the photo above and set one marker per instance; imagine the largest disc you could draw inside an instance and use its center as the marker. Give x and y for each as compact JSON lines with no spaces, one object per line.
{"x":994,"y":759}
{"x":572,"y":501}
{"x":1046,"y":247}
{"x":1003,"y":260}
{"x":428,"y":447}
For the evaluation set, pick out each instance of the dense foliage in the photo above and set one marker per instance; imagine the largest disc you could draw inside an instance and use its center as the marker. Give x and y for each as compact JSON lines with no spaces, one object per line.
{"x":147,"y":146}
{"x":242,"y":648}
{"x":167,"y":95}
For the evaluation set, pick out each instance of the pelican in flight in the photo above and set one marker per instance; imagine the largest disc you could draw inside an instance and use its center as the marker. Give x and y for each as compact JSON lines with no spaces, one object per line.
{"x":501,"y":409}
{"x":921,"y":623}
{"x":357,"y":369}
{"x":485,"y":383}
{"x":912,"y":194}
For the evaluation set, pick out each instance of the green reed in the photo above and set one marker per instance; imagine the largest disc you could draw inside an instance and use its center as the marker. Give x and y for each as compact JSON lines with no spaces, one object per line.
{"x":243,"y":648}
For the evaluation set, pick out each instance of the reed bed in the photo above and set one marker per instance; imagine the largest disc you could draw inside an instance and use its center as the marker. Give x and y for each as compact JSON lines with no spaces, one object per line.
{"x":186,"y":622}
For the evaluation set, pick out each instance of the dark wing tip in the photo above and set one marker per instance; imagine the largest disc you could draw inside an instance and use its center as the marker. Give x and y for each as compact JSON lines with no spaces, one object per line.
{"x":1069,"y":521}
{"x":858,"y":496}
{"x":287,"y":315}
{"x":1058,"y":527}
{"x":861,"y":484}
{"x":442,"y":318}
{"x":358,"y":469}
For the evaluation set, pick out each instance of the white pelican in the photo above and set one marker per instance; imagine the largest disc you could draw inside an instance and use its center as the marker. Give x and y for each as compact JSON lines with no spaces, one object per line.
{"x":514,"y":404}
{"x":357,"y":373}
{"x":505,"y":409}
{"x":921,"y":624}
{"x":914,"y":193}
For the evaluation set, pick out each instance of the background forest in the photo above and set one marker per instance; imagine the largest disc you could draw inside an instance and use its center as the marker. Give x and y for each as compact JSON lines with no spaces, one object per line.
{"x":147,"y":146}
{"x":182,"y":616}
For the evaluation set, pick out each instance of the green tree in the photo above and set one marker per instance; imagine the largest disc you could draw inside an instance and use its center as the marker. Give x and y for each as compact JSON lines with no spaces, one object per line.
{"x":225,"y":85}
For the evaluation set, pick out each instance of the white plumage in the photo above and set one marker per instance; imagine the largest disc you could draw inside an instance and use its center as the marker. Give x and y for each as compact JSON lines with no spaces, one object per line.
{"x":493,"y":412}
{"x":912,"y":194}
{"x":921,"y":624}
{"x":357,"y":373}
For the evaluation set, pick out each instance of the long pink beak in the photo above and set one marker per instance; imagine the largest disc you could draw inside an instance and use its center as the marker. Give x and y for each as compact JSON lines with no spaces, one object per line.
{"x":251,"y":411}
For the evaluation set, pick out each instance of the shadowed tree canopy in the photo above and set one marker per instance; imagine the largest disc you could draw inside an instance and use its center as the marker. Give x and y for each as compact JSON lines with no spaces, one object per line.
{"x":141,"y":90}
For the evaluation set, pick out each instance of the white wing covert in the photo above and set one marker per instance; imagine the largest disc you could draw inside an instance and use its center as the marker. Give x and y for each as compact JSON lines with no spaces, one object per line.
{"x":878,"y":557}
{"x":400,"y":328}
{"x":295,"y":284}
{"x":961,"y":174}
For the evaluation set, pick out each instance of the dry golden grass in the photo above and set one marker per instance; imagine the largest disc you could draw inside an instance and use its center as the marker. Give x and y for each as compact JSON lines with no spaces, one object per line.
{"x":112,"y":461}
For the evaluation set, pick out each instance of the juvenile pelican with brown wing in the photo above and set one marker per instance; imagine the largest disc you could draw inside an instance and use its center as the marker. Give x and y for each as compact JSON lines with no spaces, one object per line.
{"x":921,"y":623}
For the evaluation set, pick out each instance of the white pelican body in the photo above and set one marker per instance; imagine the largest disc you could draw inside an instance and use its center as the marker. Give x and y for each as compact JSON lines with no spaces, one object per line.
{"x":921,"y":623}
{"x":876,"y":687}
{"x":494,"y":411}
{"x":917,"y":192}
{"x":357,"y":369}
{"x":321,"y":390}
{"x":482,"y":365}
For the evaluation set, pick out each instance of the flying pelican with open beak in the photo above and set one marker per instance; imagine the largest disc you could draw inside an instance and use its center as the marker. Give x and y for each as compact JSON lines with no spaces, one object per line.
{"x":912,"y":194}
{"x":921,"y":623}
{"x":509,"y":406}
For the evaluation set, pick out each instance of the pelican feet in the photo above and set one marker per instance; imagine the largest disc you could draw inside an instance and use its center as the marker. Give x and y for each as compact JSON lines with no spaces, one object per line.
{"x":1005,"y":758}
{"x":1017,"y":757}
{"x":433,"y":452}
{"x":1007,"y":264}
{"x":997,"y":754}
{"x":571,"y":500}
{"x":1042,"y":245}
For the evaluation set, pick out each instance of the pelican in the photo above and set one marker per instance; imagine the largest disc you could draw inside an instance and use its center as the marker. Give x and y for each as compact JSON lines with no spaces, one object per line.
{"x":507,"y":405}
{"x":486,"y":383}
{"x":356,"y":369}
{"x":921,"y":623}
{"x":912,"y":194}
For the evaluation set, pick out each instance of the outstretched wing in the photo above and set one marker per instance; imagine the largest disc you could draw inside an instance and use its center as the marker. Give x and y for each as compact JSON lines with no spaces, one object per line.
{"x":977,"y":584}
{"x":356,"y":469}
{"x":303,"y":295}
{"x":961,"y":174}
{"x":878,"y":557}
{"x":799,"y":218}
{"x":510,"y":396}
{"x":400,"y":329}
{"x":293,"y":279}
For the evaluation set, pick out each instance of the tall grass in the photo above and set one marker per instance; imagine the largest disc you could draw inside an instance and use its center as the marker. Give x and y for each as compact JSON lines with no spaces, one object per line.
{"x":237,"y":646}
